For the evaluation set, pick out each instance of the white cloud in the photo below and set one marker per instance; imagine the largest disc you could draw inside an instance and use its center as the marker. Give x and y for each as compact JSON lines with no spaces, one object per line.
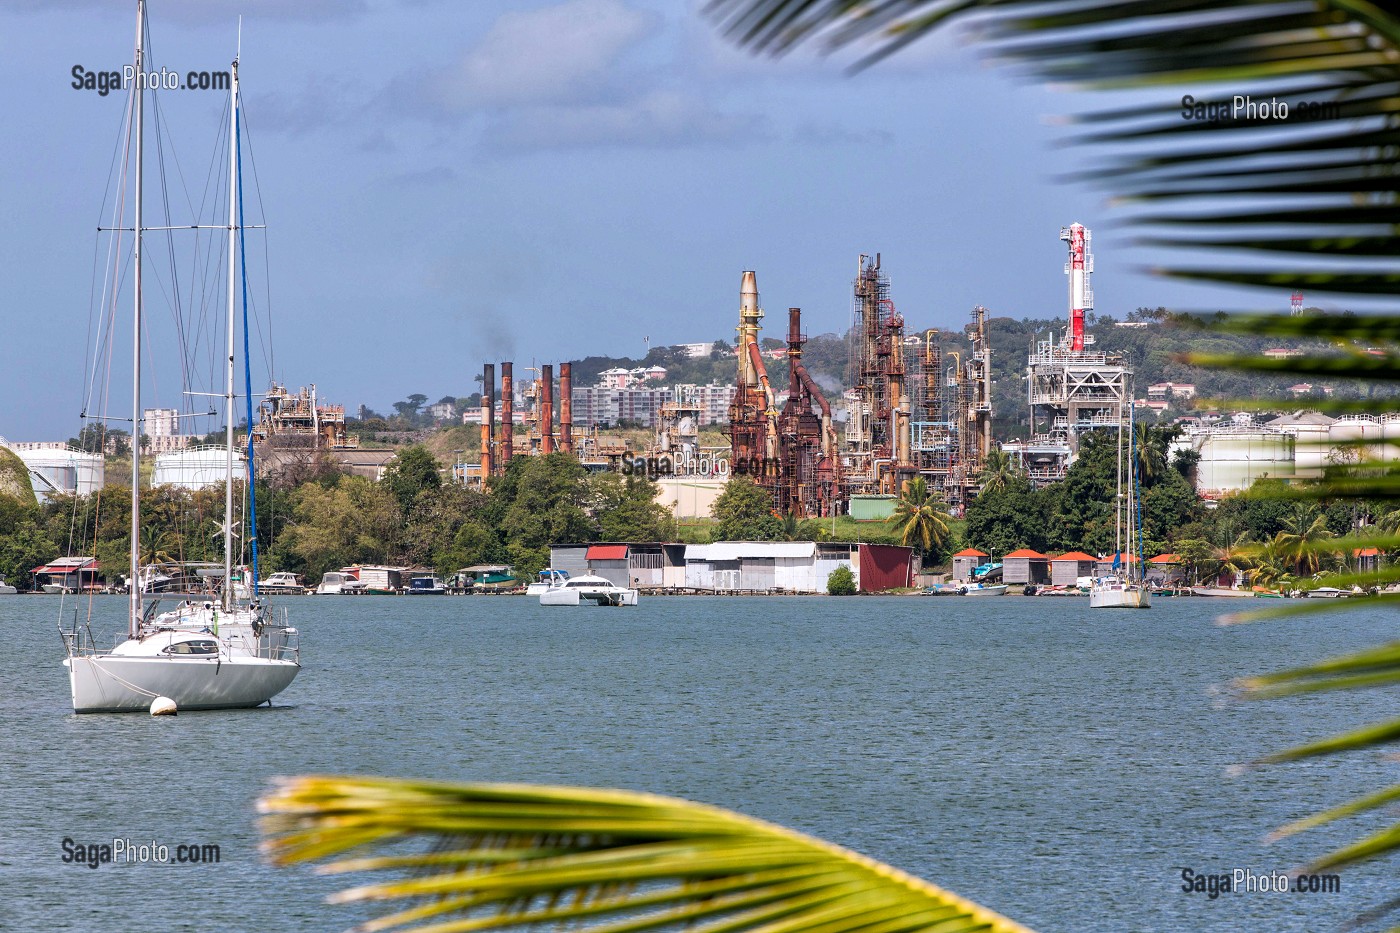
{"x":658,"y":119}
{"x":551,"y":55}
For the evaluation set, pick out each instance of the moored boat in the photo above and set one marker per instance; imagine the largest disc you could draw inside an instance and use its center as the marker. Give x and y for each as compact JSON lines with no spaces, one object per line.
{"x":223,"y":652}
{"x":599,"y":590}
{"x":425,"y":585}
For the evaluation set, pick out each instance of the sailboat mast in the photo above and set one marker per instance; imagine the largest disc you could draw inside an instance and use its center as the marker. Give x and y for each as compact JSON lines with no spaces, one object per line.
{"x":228,"y":393}
{"x":134,"y":622}
{"x":1118,"y":493}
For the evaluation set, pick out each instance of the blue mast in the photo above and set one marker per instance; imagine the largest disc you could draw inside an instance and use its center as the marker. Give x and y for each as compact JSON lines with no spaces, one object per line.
{"x":247,"y":364}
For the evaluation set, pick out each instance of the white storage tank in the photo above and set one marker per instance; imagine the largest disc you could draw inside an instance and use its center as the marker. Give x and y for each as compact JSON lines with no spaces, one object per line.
{"x":1347,"y":430}
{"x":1390,"y":433}
{"x":196,"y":467}
{"x":61,"y":469}
{"x":1312,"y":442}
{"x":1233,"y":458}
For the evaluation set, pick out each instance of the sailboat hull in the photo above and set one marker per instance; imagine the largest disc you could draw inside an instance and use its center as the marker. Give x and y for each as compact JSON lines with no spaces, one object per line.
{"x":104,"y":683}
{"x":1128,"y":597}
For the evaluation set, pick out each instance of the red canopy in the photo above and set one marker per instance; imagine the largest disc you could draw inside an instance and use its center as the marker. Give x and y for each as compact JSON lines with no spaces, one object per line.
{"x":606,"y":552}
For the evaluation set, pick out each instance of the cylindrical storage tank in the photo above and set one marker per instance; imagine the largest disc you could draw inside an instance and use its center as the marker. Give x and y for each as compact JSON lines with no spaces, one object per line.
{"x":1390,"y":434}
{"x":196,"y":468}
{"x":1344,"y":434}
{"x":63,"y":469}
{"x":1232,"y":461}
{"x":1313,"y":445}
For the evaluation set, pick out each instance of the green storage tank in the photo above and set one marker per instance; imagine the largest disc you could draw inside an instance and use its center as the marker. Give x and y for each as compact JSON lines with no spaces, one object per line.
{"x":872,"y":508}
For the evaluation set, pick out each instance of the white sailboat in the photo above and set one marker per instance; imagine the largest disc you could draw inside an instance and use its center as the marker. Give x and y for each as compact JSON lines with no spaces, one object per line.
{"x":224,"y":654}
{"x":1125,"y":587}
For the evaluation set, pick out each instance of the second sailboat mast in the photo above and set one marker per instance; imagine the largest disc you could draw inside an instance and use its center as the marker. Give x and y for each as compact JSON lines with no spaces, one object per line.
{"x":229,"y":397}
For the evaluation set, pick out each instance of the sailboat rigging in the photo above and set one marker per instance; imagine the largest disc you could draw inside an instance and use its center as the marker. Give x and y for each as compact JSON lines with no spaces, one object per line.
{"x":1125,"y":587}
{"x":231,"y":654}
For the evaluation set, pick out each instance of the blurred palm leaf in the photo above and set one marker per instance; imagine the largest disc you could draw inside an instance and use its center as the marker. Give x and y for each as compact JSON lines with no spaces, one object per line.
{"x":504,"y":856}
{"x":1272,"y":200}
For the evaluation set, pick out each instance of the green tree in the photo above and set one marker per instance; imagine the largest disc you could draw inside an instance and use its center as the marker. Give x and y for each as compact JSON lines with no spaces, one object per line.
{"x":624,"y":508}
{"x":24,"y":546}
{"x":412,"y":471}
{"x":921,"y":517}
{"x":841,"y":582}
{"x":538,"y":502}
{"x":998,"y":469}
{"x":1015,"y":517}
{"x":744,"y":512}
{"x":445,"y":529}
{"x":354,"y":521}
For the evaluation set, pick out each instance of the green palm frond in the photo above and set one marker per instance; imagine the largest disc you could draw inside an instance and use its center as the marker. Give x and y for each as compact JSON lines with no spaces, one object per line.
{"x":509,"y":856}
{"x":1250,"y":189}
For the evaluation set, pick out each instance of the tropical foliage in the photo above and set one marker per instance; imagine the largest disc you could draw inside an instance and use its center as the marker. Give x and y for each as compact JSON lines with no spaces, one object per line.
{"x":841,"y":582}
{"x":508,"y":857}
{"x":744,"y":512}
{"x":922,"y":519}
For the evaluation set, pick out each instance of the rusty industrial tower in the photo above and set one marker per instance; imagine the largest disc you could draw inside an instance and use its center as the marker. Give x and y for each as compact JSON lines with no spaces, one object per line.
{"x":791,"y":453}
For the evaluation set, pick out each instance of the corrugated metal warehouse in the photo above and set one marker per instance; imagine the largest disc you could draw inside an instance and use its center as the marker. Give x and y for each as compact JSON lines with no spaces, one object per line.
{"x":739,"y":566}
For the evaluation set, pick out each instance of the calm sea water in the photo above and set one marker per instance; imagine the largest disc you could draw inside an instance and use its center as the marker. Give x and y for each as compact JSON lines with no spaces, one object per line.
{"x":1058,"y":765}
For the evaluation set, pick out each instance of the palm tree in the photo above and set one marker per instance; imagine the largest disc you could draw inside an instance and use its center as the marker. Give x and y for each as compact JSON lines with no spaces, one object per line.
{"x":791,"y":527}
{"x":998,"y":469}
{"x":1233,"y":555}
{"x":922,"y":517}
{"x":511,"y":856}
{"x":1304,"y":549}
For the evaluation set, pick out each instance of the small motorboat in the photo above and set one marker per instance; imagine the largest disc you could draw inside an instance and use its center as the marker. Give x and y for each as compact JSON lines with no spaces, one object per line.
{"x":425,"y":585}
{"x":983,"y":589}
{"x":339,"y":583}
{"x":599,"y":590}
{"x":1327,"y":592}
{"x":548,"y":577}
{"x":282,"y":584}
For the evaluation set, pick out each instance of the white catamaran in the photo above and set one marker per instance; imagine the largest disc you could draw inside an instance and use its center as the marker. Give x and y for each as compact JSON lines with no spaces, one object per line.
{"x":1125,"y":588}
{"x":223,"y":652}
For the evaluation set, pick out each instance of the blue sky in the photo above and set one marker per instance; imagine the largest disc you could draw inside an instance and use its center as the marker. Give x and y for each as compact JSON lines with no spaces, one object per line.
{"x":449,"y":183}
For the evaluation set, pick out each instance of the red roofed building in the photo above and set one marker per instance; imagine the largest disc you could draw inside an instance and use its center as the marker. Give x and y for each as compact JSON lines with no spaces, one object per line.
{"x":966,"y":561}
{"x":1025,"y":566}
{"x":1368,"y":559}
{"x":1165,"y":568}
{"x":1066,"y":569}
{"x":1105,"y":563}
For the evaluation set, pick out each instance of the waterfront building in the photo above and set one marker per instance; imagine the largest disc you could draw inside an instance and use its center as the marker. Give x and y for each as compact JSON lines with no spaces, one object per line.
{"x":1068,"y":568}
{"x":966,"y":561}
{"x":1025,"y":566}
{"x":739,"y":566}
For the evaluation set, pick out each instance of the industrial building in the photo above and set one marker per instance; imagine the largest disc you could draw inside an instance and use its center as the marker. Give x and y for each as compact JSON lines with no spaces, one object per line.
{"x":902,"y":423}
{"x":739,"y":566}
{"x":1070,"y":388}
{"x":793,"y":453}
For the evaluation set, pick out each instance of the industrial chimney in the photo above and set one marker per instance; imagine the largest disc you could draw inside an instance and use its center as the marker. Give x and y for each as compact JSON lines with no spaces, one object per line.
{"x":546,"y":408}
{"x":566,"y":407}
{"x":507,"y":446}
{"x":488,"y":416}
